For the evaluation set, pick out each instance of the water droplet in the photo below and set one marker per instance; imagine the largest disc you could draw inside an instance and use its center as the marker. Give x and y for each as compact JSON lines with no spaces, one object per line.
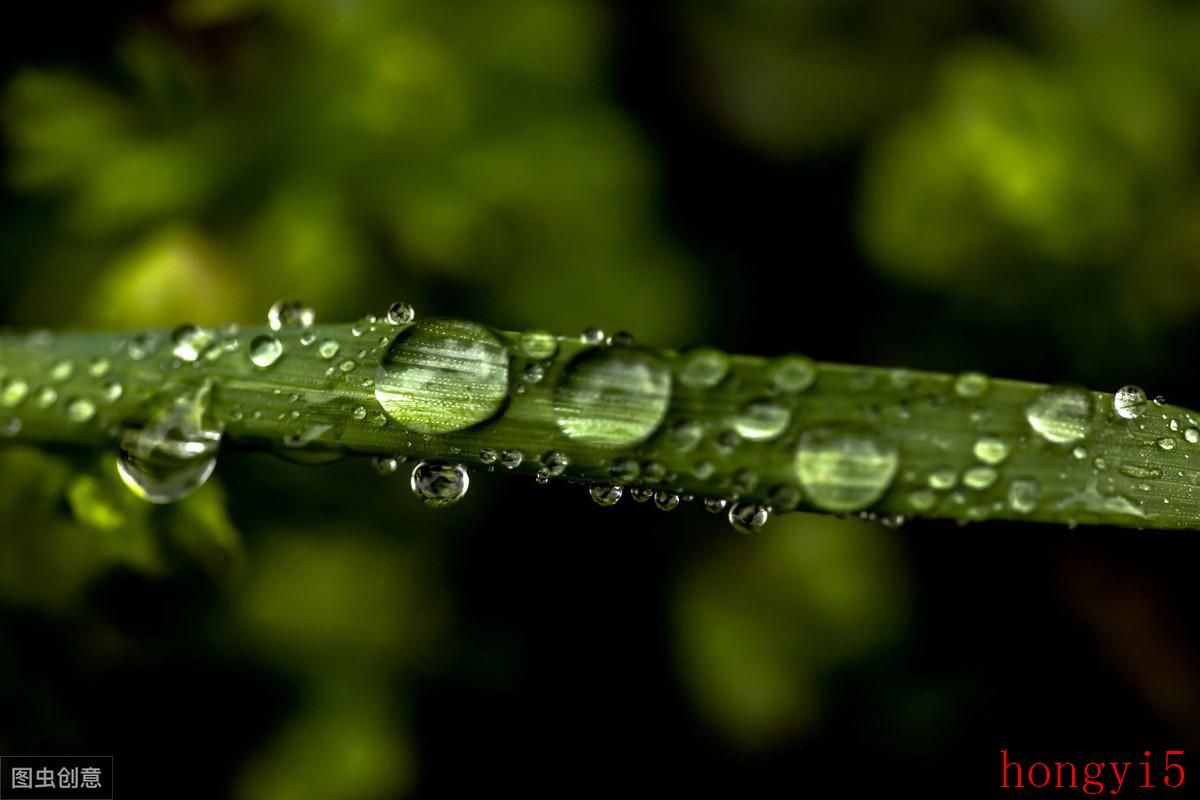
{"x":783,"y":498}
{"x":385,"y":465}
{"x":922,"y":500}
{"x":641,"y":494}
{"x":762,"y":420}
{"x":1166,"y":444}
{"x":534,"y":373}
{"x":990,"y":449}
{"x":443,"y":375}
{"x":1129,"y":402}
{"x":488,"y":456}
{"x":174,"y":454}
{"x":45,"y":397}
{"x":61,"y":371}
{"x":328,"y":349}
{"x":666,"y":501}
{"x":1061,"y":414}
{"x":400,"y":314}
{"x":703,"y":368}
{"x":844,"y":470}
{"x":715,"y":505}
{"x":112,"y":391}
{"x":265,"y":350}
{"x":290,"y":314}
{"x":537,"y":345}
{"x":98,"y":367}
{"x":592,"y":336}
{"x":943,"y":479}
{"x":791,"y":374}
{"x":624,"y":469}
{"x":971,"y":384}
{"x":744,"y":480}
{"x":612,"y":397}
{"x":141,"y":346}
{"x":307,"y":338}
{"x":1140,"y":472}
{"x":347,"y":366}
{"x":12,"y":427}
{"x":555,"y":463}
{"x":439,"y":484}
{"x":979,"y":478}
{"x":1080,"y":453}
{"x":1192,"y":435}
{"x":14,"y":392}
{"x":621,"y":339}
{"x":606,"y":494}
{"x":360,"y":412}
{"x":652,"y":471}
{"x":189,"y":342}
{"x":81,"y":410}
{"x":511,"y":459}
{"x":685,"y":435}
{"x":748,"y":517}
{"x":1023,"y":495}
{"x":704,"y":469}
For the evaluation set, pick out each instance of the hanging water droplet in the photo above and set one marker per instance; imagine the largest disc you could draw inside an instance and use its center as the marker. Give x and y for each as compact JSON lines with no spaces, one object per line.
{"x":1129,"y":402}
{"x":1061,"y":414}
{"x":791,"y":374}
{"x":703,"y":368}
{"x":762,"y":420}
{"x":612,"y":397}
{"x":14,"y":391}
{"x":328,"y":349}
{"x":979,"y":478}
{"x":385,"y":465}
{"x":592,"y":336}
{"x":400,"y":314}
{"x":715,"y":505}
{"x":990,"y":449}
{"x":641,"y":494}
{"x":1023,"y":495}
{"x":265,"y":350}
{"x":81,"y":410}
{"x":606,"y":494}
{"x":61,"y":371}
{"x":555,"y":463}
{"x":842,"y":470}
{"x":748,"y":517}
{"x":511,"y":459}
{"x":971,"y":384}
{"x":666,"y":501}
{"x":439,"y":484}
{"x":174,"y":454}
{"x":290,"y":314}
{"x":443,"y":375}
{"x":188,"y":342}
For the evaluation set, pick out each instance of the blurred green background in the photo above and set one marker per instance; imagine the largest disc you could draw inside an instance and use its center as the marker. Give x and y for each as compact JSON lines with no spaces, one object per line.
{"x":1001,"y":185}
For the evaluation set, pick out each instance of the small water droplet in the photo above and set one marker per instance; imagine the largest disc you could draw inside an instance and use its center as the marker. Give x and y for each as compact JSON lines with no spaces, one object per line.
{"x":511,"y":459}
{"x":1061,"y":414}
{"x":439,"y":484}
{"x":641,"y":494}
{"x":666,"y":501}
{"x":81,"y":410}
{"x":1079,"y":453}
{"x":624,"y":469}
{"x":290,"y":314}
{"x":189,"y":342}
{"x":265,"y":350}
{"x":621,"y":339}
{"x":555,"y":463}
{"x":488,"y":456}
{"x":1129,"y":402}
{"x":747,"y":517}
{"x":1166,"y":443}
{"x":792,"y":374}
{"x":534,"y":373}
{"x":606,"y":494}
{"x":385,"y":465}
{"x":45,"y":397}
{"x":359,"y":412}
{"x":141,"y":346}
{"x":704,"y":469}
{"x":443,"y":375}
{"x":612,"y":397}
{"x":537,"y":345}
{"x":990,"y":449}
{"x":11,"y":427}
{"x":843,"y":470}
{"x":762,"y":420}
{"x":979,"y":478}
{"x":328,"y":349}
{"x":112,"y":391}
{"x":98,"y":367}
{"x":685,"y":434}
{"x":922,"y":500}
{"x":652,"y":471}
{"x":1023,"y":495}
{"x":971,"y":384}
{"x":14,"y":391}
{"x":943,"y":479}
{"x":347,"y":366}
{"x":61,"y":371}
{"x":703,"y":368}
{"x":715,"y":505}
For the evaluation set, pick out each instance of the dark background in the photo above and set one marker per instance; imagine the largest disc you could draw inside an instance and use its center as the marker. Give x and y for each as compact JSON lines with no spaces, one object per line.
{"x":1002,"y":186}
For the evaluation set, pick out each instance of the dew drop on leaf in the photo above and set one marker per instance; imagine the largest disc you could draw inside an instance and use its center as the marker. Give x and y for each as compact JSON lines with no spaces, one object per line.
{"x":612,"y":397}
{"x":844,"y":470}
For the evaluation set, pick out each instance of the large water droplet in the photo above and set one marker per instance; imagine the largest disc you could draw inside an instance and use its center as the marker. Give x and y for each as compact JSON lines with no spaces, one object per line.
{"x":844,"y":470}
{"x":290,"y":314}
{"x":1061,"y":414}
{"x":265,"y":350}
{"x":439,"y":484}
{"x":1129,"y":402}
{"x":443,"y":375}
{"x":400,"y":313}
{"x":612,"y":397}
{"x":762,"y":420}
{"x":173,"y":455}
